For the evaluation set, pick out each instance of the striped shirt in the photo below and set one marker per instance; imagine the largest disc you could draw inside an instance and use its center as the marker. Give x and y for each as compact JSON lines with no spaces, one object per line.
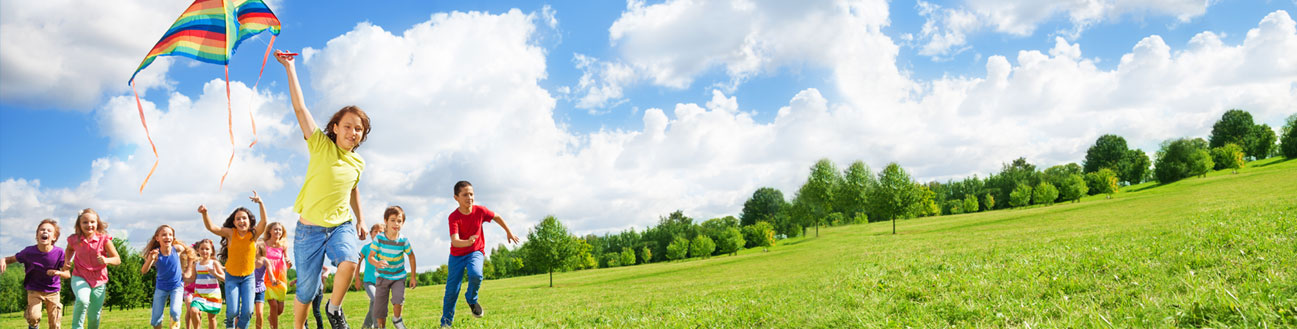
{"x":393,"y":252}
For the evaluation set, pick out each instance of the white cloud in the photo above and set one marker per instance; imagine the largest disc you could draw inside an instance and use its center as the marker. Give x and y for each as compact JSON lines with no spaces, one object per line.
{"x":946,"y":29}
{"x":68,"y":54}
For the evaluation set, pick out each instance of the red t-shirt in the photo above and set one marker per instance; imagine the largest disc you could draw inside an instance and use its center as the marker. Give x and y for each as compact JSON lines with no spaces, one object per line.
{"x":469,"y":225}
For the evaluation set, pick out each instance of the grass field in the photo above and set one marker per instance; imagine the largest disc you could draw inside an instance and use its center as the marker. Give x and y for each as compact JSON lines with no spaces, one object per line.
{"x":1219,"y":251}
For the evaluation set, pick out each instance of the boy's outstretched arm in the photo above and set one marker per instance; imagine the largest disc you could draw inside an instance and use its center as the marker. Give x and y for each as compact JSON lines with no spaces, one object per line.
{"x":4,"y":264}
{"x":456,"y":242}
{"x":507,"y":232}
{"x":304,"y":118}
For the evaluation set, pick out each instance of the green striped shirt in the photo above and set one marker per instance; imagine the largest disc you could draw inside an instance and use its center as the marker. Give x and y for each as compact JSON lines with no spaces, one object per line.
{"x":393,"y":252}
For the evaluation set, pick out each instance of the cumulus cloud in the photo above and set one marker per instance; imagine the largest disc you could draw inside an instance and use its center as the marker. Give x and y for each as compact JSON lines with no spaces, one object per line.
{"x":946,"y":29}
{"x":68,"y":54}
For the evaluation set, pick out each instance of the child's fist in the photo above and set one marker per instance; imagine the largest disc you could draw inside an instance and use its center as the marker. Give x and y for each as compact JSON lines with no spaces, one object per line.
{"x":153,"y":254}
{"x":202,"y":209}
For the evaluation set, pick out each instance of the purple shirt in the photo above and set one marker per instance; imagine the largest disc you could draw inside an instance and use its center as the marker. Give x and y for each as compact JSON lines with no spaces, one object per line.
{"x":36,"y":263}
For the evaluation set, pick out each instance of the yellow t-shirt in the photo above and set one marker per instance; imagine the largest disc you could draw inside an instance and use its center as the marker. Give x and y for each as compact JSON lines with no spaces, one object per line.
{"x":331,"y":173}
{"x":242,"y":256}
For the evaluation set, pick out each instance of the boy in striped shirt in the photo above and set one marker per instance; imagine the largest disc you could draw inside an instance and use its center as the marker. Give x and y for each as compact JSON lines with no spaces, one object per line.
{"x":389,"y":251}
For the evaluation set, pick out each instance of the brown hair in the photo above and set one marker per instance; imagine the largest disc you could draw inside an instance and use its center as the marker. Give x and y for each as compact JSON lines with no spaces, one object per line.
{"x":337,"y":117}
{"x":209,"y":243}
{"x":52,"y":222}
{"x":377,"y":227}
{"x":153,"y":240}
{"x":103,"y":226}
{"x":393,"y":210}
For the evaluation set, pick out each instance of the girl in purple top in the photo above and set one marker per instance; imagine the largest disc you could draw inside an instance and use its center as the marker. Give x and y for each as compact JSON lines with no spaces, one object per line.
{"x":89,"y":253}
{"x":163,"y":252}
{"x":43,"y":263}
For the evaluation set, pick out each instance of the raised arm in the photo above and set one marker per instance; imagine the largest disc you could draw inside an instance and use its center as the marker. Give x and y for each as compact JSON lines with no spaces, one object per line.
{"x":207,"y":222}
{"x":304,"y":118}
{"x":261,"y":225}
{"x":149,"y":259}
{"x":507,"y":232}
{"x":355,"y":208}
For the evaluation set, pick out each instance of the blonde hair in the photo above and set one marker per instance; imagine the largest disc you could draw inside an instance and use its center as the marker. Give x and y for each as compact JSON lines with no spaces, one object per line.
{"x":265,"y":236}
{"x":153,"y":241}
{"x":102,"y":227}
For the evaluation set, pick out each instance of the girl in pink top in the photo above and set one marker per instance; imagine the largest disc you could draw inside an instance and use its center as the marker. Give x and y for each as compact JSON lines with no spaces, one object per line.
{"x":89,"y":253}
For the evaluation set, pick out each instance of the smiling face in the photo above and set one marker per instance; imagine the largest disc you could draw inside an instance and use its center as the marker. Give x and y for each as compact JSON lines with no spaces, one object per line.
{"x":165,"y":236}
{"x":88,"y":223}
{"x":46,"y":233}
{"x":350,"y":131}
{"x":205,"y":250}
{"x":276,"y":232}
{"x":241,"y":221}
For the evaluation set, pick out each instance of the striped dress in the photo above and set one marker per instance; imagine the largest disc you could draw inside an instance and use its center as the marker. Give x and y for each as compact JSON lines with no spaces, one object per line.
{"x":207,"y":291}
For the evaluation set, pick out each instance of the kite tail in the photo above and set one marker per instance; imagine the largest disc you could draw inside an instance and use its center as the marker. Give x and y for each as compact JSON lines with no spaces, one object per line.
{"x":254,"y":88}
{"x":146,"y":134}
{"x":229,"y":116}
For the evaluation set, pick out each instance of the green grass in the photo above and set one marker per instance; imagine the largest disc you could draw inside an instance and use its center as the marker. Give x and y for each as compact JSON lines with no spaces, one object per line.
{"x":1213,"y":252}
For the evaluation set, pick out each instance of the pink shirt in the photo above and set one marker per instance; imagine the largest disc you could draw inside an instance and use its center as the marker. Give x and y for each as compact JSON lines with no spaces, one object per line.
{"x":85,"y":262}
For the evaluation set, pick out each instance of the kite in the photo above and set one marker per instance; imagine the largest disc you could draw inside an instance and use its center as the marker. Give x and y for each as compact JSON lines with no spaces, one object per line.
{"x":209,"y":31}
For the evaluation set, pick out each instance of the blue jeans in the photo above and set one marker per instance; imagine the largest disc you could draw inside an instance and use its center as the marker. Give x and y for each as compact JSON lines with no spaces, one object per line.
{"x":310,"y":246}
{"x":457,"y":265}
{"x":160,"y":298}
{"x":238,"y":299}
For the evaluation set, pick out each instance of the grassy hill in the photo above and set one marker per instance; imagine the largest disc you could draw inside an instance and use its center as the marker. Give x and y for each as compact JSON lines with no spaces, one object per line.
{"x":1219,"y":251}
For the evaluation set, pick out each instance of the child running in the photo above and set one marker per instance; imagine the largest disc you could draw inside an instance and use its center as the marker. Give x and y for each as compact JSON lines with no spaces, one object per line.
{"x":368,"y":276}
{"x":259,"y":275}
{"x":389,"y":251}
{"x":43,"y":264}
{"x":163,"y":252}
{"x":275,"y":244}
{"x":238,"y":249}
{"x":90,"y":251}
{"x":207,"y":291}
{"x":329,"y":192}
{"x":467,"y":251}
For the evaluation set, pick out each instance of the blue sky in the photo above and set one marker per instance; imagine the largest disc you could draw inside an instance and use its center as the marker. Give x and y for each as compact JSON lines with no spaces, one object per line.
{"x":609,"y":114}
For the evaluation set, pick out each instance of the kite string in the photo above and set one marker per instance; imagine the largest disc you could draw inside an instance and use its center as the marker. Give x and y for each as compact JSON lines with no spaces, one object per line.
{"x":146,"y":134}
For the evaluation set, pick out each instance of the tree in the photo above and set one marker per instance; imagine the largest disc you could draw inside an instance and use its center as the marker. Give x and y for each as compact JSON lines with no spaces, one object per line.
{"x":729,"y":241}
{"x":645,"y":254}
{"x":1020,"y":196}
{"x":760,"y":234}
{"x":1045,"y":193}
{"x":895,"y":195}
{"x":1073,"y":188}
{"x":552,"y":248}
{"x":507,"y":263}
{"x":1259,"y":142}
{"x":1289,"y":146}
{"x":955,"y":207}
{"x":1181,"y":158}
{"x":970,"y":204}
{"x":1229,"y":156}
{"x":1107,"y":152}
{"x":1134,"y":167}
{"x":627,"y":257}
{"x":701,"y":246}
{"x":1101,"y":182}
{"x":1010,"y":176}
{"x":678,"y":248}
{"x":128,"y":288}
{"x":440,"y":275}
{"x":1233,"y":127}
{"x":989,"y":201}
{"x":927,"y":202}
{"x":584,"y":258}
{"x":817,"y":192}
{"x":852,"y":195}
{"x":764,"y":204}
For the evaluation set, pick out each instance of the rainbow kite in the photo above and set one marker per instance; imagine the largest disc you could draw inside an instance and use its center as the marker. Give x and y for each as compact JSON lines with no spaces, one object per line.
{"x":209,"y":31}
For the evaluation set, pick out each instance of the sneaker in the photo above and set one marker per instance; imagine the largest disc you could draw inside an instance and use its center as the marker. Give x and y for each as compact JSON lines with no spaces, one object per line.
{"x":398,"y":323}
{"x":336,"y":320}
{"x":478,"y":312}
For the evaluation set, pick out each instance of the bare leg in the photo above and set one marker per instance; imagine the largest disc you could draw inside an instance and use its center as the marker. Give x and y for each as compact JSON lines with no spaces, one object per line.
{"x":299,"y":313}
{"x":341,"y":281}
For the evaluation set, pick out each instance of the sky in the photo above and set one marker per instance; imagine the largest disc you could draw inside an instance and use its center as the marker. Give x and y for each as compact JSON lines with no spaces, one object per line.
{"x":606,"y":115}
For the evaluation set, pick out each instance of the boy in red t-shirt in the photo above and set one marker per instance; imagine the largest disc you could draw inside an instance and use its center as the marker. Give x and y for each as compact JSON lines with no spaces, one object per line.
{"x":467,"y":251}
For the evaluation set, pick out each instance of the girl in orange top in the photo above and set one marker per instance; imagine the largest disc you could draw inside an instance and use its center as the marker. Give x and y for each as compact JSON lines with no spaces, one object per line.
{"x":239,"y":251}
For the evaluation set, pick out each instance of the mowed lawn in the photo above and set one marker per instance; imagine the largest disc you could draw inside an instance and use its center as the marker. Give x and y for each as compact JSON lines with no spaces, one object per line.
{"x":1219,"y":251}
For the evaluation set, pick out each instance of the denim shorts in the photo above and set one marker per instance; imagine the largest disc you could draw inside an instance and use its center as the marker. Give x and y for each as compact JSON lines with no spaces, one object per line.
{"x":310,"y":246}
{"x":260,"y":297}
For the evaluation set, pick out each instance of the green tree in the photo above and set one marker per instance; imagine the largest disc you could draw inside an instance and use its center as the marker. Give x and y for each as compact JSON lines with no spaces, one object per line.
{"x":678,"y":249}
{"x":1010,"y":176}
{"x":1107,"y":152}
{"x":1259,"y":142}
{"x":1045,"y":193}
{"x":552,"y":247}
{"x":927,"y":202}
{"x":645,"y":254}
{"x":852,"y":195}
{"x":1134,"y":167}
{"x":764,"y":205}
{"x":507,"y":263}
{"x":627,"y":257}
{"x":1289,"y":141}
{"x":1182,"y":158}
{"x":817,"y":193}
{"x":761,"y":234}
{"x":1233,"y":127}
{"x":970,"y":204}
{"x":13,"y":297}
{"x":1101,"y":182}
{"x":128,"y":288}
{"x":729,"y":241}
{"x":584,"y":258}
{"x":895,"y":196}
{"x":955,"y":207}
{"x":989,"y":201}
{"x":1229,"y":156}
{"x":701,"y":246}
{"x":1073,"y":188}
{"x":1021,"y":196}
